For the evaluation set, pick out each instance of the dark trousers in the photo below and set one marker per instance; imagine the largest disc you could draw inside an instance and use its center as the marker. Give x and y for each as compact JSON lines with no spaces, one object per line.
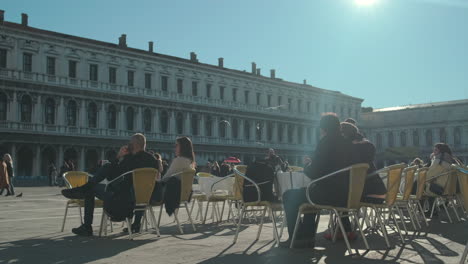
{"x":157,"y":196}
{"x":293,"y":199}
{"x":12,"y":187}
{"x":93,"y":189}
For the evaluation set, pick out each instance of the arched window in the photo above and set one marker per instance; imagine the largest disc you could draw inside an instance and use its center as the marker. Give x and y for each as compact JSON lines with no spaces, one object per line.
{"x":195,"y":121}
{"x":222,"y":127}
{"x":247,"y":129}
{"x":130,"y":118}
{"x":180,"y":123}
{"x":26,"y":109}
{"x":428,"y":137}
{"x":209,"y":126}
{"x":112,"y":117}
{"x":50,"y":111}
{"x":416,"y":138}
{"x":403,"y":138}
{"x":269,"y":131}
{"x":164,"y":122}
{"x":147,"y":120}
{"x":92,"y":115}
{"x":378,"y":141}
{"x":280,"y":133}
{"x":3,"y":106}
{"x":391,"y":140}
{"x":71,"y":113}
{"x":235,"y":128}
{"x":442,"y":135}
{"x":258,"y":129}
{"x":457,"y":136}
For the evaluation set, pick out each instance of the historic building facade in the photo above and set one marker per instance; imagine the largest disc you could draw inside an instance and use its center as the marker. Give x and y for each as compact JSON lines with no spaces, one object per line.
{"x":403,"y":133}
{"x":67,"y":97}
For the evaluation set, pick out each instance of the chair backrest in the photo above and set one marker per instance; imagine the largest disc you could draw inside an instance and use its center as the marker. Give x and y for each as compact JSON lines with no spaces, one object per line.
{"x":463,"y":182}
{"x":357,"y":179}
{"x":393,"y":182}
{"x":239,"y":181}
{"x":408,"y":174}
{"x":295,"y":168}
{"x":422,"y":176}
{"x":186,"y":184}
{"x":451,"y":185}
{"x":204,"y":174}
{"x":75,"y":178}
{"x":144,"y":180}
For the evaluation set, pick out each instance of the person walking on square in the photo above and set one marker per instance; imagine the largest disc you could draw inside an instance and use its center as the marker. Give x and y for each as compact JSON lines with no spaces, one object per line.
{"x":4,"y":179}
{"x":52,"y":173}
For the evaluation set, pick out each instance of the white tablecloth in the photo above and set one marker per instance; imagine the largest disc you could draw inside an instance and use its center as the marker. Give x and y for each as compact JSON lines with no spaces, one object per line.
{"x":291,"y":180}
{"x":225,"y":186}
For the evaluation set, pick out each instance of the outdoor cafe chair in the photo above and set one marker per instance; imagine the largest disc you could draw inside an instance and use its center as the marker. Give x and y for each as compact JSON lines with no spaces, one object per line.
{"x":186,"y":184}
{"x":393,"y":173}
{"x":75,"y":179}
{"x":357,"y":177}
{"x":144,"y":180}
{"x":271,"y":207}
{"x":415,"y":200}
{"x":462,"y":197}
{"x":220,"y":191}
{"x":449,"y":193}
{"x":403,"y":199}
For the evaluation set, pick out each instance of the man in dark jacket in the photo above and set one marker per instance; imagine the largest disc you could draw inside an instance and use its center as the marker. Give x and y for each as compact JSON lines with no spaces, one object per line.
{"x":333,"y":153}
{"x":130,"y":157}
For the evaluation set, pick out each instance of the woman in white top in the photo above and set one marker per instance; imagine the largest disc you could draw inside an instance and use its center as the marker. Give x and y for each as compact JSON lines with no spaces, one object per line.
{"x":185,"y":158}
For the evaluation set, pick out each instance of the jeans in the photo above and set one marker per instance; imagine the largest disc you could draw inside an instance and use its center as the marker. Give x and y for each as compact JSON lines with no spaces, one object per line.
{"x":293,"y":199}
{"x":12,"y":187}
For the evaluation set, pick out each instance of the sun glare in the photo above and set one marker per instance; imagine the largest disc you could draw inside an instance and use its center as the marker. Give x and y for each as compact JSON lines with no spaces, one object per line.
{"x":365,"y":2}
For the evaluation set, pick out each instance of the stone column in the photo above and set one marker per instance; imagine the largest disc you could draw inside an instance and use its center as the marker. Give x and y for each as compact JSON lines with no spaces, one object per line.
{"x":82,"y":115}
{"x":229,"y":128}
{"x":121,"y":117}
{"x":263,"y":128}
{"x":274,"y":138}
{"x":37,"y":161}
{"x":38,"y":111}
{"x":61,"y":113}
{"x":139,"y":119}
{"x":253,"y":130}
{"x":187,"y":124}
{"x":102,"y":116}
{"x":156,"y":127}
{"x":172,"y":123}
{"x":60,"y":157}
{"x":241,"y":129}
{"x":304,"y":135}
{"x":215,"y":127}
{"x":103,"y":154}
{"x":202,"y":125}
{"x":14,"y":109}
{"x":81,"y":163}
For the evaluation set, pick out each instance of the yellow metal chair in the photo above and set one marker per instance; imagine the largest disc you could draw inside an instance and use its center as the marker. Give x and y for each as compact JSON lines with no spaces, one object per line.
{"x":403,"y":199}
{"x":240,"y":177}
{"x":75,"y":179}
{"x":449,"y":194}
{"x":357,"y":177}
{"x":186,"y":178}
{"x":415,"y":200}
{"x":393,"y":173}
{"x":462,"y":197}
{"x":144,"y":180}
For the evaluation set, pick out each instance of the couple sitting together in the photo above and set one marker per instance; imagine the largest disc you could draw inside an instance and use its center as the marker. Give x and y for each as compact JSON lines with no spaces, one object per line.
{"x":340,"y":146}
{"x":130,"y":157}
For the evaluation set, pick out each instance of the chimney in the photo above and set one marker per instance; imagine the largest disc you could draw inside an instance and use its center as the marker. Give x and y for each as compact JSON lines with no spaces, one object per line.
{"x":150,"y":46}
{"x":123,"y":40}
{"x":24,"y":19}
{"x":193,"y":57}
{"x":258,"y":71}
{"x":2,"y":16}
{"x":221,"y":62}
{"x":305,"y":81}
{"x":254,"y":68}
{"x":272,"y":74}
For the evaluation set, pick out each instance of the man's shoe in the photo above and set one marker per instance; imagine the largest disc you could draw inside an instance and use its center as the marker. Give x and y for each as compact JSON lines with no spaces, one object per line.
{"x":74,"y":193}
{"x":83,"y":230}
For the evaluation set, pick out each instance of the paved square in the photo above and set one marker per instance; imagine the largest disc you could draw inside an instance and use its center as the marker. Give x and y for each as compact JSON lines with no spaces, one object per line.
{"x":29,"y":233}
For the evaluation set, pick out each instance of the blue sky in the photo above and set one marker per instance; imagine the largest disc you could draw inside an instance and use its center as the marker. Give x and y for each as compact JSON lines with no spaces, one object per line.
{"x":393,"y":52}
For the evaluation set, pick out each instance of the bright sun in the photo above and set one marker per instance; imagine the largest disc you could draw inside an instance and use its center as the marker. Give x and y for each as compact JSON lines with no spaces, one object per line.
{"x":365,"y":2}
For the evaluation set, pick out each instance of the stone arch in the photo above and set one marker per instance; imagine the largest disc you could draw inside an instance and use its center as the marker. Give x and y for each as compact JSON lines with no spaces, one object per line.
{"x":48,"y":156}
{"x":24,"y":160}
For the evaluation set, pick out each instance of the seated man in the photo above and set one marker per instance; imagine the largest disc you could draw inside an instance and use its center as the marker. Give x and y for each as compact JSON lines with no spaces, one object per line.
{"x":333,"y":153}
{"x":130,"y":157}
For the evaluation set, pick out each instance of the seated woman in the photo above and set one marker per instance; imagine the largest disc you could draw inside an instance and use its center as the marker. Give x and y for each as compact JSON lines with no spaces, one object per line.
{"x":185,"y":159}
{"x":364,"y":152}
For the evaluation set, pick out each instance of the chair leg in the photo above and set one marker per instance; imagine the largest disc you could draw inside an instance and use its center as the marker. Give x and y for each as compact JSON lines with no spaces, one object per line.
{"x":410,"y":213}
{"x":190,"y":217}
{"x":361,"y":229}
{"x":447,"y":212}
{"x":465,"y":254}
{"x":396,"y":224}
{"x":102,"y":223}
{"x":153,"y":219}
{"x":177,"y":221}
{"x":275,"y":230}
{"x":296,"y":228}
{"x":206,"y":212}
{"x":129,"y":227}
{"x":454,"y":209}
{"x":229,"y":210}
{"x":434,"y":206}
{"x":241,"y":215}
{"x":81,"y":216}
{"x":261,"y":223}
{"x":422,"y":213}
{"x":402,"y":218}
{"x":64,"y":217}
{"x":222,"y":211}
{"x":382,"y":226}
{"x":343,"y":231}
{"x":282,"y":226}
{"x":160,"y":214}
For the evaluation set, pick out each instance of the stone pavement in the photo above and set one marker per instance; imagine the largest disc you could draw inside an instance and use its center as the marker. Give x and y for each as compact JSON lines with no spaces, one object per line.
{"x":29,"y":233}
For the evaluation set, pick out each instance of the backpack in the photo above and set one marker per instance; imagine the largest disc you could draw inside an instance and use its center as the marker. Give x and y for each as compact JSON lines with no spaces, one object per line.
{"x":263,"y":175}
{"x":119,"y":202}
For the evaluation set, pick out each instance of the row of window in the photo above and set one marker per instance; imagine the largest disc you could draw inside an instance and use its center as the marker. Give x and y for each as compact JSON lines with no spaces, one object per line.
{"x":281,"y":102}
{"x":147,"y":121}
{"x":416,"y":141}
